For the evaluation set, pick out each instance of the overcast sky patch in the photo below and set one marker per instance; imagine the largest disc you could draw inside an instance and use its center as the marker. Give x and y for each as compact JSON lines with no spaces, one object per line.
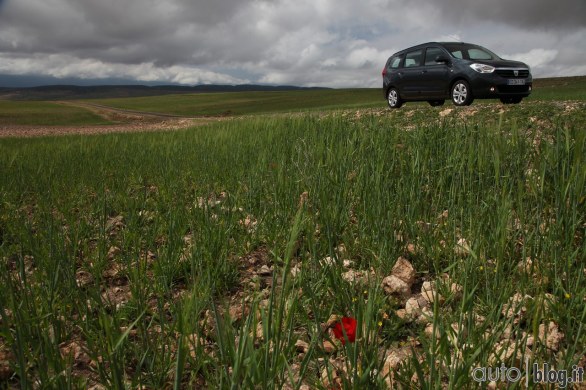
{"x":342,"y":43}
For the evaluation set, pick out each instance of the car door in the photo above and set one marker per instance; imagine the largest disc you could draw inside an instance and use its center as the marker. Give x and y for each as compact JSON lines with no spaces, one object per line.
{"x":434,"y":75}
{"x":411,"y":84}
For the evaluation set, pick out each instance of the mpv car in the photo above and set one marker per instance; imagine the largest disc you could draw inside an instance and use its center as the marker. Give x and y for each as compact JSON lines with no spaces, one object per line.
{"x":437,"y":71}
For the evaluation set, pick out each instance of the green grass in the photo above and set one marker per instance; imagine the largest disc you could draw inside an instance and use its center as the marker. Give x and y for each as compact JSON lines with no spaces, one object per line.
{"x":33,"y":113}
{"x":245,"y":103}
{"x":560,"y":88}
{"x":159,"y":219}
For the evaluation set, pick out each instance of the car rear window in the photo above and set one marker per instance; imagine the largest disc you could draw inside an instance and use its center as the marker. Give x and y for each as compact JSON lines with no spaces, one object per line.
{"x":395,"y":62}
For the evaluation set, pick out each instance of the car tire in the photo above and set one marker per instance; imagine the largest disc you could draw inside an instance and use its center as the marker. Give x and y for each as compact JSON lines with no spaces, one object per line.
{"x":393,"y":98}
{"x":461,"y":94}
{"x":436,"y":103}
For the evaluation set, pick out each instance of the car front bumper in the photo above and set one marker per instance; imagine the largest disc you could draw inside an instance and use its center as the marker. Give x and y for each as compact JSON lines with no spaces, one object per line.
{"x":494,"y":86}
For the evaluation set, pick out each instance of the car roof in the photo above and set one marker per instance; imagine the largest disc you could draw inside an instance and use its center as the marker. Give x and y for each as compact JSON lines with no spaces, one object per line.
{"x":423,"y":45}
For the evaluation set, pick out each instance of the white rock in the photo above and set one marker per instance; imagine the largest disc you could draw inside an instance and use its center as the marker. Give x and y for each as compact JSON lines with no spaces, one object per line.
{"x":395,"y":357}
{"x":462,"y":248}
{"x":327,"y":261}
{"x":430,"y":293}
{"x":404,"y":270}
{"x":516,"y":307}
{"x":348,"y":263}
{"x":395,"y":286}
{"x":551,"y":336}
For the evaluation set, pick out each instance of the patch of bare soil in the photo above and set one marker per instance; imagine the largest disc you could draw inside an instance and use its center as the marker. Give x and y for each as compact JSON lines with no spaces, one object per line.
{"x":126,"y":121}
{"x":131,"y":127}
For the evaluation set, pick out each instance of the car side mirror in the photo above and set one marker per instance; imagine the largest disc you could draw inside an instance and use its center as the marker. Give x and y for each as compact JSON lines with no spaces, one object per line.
{"x":442,"y":59}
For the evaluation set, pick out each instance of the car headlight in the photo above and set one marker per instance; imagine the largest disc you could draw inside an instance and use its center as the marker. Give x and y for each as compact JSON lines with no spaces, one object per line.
{"x":482,"y":68}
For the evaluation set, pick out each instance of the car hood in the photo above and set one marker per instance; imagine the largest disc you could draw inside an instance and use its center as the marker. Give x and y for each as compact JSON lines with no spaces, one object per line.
{"x":502,"y":63}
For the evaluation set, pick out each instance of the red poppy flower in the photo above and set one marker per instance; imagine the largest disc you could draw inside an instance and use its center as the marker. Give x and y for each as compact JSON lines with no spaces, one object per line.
{"x":348,"y":325}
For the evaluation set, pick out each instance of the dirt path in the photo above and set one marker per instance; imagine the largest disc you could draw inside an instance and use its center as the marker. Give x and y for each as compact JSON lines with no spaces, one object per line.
{"x":125,"y":121}
{"x":105,"y":111}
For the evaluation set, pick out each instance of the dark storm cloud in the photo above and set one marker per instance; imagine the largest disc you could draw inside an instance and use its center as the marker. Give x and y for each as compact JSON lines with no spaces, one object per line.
{"x":306,"y":42}
{"x":171,"y":28}
{"x":535,"y":14}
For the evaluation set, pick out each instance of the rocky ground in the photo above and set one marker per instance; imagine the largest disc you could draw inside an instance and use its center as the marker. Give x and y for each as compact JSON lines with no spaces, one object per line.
{"x":126,"y":121}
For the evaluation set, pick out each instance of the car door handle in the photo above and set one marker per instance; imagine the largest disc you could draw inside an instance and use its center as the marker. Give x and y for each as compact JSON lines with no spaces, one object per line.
{"x":423,"y":71}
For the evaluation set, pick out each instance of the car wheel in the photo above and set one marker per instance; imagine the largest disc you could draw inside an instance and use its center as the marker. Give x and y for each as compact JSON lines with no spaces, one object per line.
{"x":393,"y":98}
{"x":435,"y":103}
{"x":461,"y":93}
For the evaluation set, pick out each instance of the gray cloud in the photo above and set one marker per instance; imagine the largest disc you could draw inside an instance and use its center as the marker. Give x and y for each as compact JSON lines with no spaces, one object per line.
{"x":532,"y":15}
{"x":305,"y":42}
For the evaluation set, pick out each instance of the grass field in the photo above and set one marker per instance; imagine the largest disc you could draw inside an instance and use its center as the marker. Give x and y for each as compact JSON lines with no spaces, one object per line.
{"x":246,"y":103}
{"x":35,"y":113}
{"x":219,"y":256}
{"x":560,"y":88}
{"x":230,"y":104}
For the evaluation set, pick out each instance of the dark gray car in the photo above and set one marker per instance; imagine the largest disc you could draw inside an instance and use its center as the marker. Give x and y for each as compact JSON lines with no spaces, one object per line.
{"x":437,"y":71}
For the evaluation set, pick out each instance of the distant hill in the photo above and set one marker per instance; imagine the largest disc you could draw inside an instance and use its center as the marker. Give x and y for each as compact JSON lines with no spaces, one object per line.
{"x":68,"y":92}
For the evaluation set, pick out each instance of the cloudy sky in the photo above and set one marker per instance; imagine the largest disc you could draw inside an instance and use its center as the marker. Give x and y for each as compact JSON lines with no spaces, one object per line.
{"x":332,"y":43}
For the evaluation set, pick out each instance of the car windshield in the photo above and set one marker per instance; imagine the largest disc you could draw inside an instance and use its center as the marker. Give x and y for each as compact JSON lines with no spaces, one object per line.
{"x":470,"y":52}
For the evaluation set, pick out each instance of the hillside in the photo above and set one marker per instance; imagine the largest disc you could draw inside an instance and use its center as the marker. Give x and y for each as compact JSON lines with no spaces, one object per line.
{"x":69,"y":92}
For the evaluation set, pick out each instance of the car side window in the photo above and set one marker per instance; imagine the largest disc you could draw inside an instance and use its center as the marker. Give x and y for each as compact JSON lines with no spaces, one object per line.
{"x":457,"y":54}
{"x":413,"y":58}
{"x":431,"y":54}
{"x":395,"y":62}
